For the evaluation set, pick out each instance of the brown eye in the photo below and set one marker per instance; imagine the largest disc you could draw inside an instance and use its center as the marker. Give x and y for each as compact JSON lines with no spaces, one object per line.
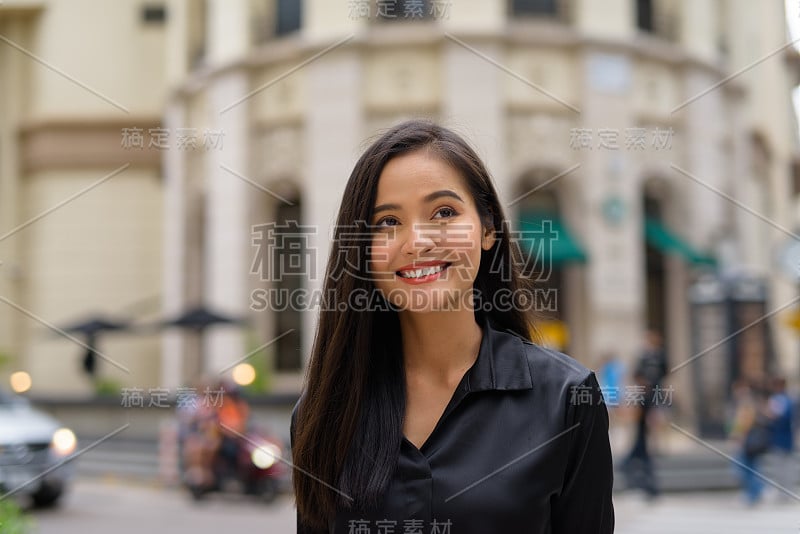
{"x":447,"y":210}
{"x":385,"y":219}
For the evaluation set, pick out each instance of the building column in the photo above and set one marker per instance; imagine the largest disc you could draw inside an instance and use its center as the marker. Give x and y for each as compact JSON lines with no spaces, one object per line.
{"x":227,"y":219}
{"x":228,"y":34}
{"x":613,"y":19}
{"x":703,"y":134}
{"x":701,"y":219}
{"x":473,"y":104}
{"x":679,"y":331}
{"x":334,"y":131}
{"x":12,"y":77}
{"x":700,"y":28}
{"x":228,"y":240}
{"x":615,"y":272}
{"x":174,"y":252}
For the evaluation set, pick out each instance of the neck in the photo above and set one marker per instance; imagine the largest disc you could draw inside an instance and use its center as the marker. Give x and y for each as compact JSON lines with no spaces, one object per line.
{"x":439,"y":345}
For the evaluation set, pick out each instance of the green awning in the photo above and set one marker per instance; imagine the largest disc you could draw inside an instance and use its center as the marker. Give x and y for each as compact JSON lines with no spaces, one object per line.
{"x":660,"y":237}
{"x":545,"y":236}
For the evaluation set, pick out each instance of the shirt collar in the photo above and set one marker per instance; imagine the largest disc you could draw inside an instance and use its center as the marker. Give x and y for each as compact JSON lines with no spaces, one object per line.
{"x":502,"y":363}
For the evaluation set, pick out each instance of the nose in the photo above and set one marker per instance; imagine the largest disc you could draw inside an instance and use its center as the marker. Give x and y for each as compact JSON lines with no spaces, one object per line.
{"x":419,"y":240}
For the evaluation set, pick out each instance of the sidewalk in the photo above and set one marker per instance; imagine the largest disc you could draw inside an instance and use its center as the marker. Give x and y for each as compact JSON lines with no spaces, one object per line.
{"x":704,"y":513}
{"x":685,"y":462}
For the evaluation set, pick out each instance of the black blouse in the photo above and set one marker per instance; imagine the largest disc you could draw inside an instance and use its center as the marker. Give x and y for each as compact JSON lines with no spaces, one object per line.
{"x":522,"y":447}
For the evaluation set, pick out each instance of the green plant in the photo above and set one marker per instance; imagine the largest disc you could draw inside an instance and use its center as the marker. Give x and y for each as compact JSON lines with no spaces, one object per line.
{"x":12,"y":519}
{"x":260,"y":362}
{"x":107,"y":387}
{"x":5,"y":358}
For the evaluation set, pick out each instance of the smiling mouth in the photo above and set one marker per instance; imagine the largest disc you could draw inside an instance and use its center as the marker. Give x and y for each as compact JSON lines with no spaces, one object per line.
{"x":423,"y":271}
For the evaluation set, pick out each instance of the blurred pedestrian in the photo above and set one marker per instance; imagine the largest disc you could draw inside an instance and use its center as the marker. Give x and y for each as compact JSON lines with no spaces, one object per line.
{"x":611,"y":376}
{"x":650,"y":371}
{"x":781,"y":413}
{"x":200,"y":439}
{"x":751,"y":430}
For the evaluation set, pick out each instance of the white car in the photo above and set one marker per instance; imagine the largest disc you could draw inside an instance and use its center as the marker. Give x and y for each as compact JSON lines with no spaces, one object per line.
{"x":34,"y":449}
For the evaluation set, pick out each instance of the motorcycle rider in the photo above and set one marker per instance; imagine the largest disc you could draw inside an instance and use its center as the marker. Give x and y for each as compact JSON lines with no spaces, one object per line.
{"x":233,"y":414}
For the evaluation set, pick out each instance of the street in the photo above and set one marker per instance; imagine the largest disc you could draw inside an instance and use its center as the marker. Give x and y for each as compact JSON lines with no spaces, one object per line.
{"x":706,"y":513}
{"x":122,"y":507}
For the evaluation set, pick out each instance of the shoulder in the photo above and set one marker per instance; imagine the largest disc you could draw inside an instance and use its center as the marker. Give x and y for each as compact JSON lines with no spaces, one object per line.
{"x":551,"y":368}
{"x":568,"y":388}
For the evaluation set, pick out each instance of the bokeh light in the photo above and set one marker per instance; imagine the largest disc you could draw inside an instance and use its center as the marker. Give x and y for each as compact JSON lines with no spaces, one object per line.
{"x":20,"y":382}
{"x":244,"y":374}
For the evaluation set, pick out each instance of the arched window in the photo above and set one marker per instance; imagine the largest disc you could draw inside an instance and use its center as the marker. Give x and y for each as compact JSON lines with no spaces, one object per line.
{"x":547,"y":245}
{"x":290,"y":265}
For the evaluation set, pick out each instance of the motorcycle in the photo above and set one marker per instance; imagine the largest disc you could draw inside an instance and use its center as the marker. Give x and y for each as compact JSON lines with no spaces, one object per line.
{"x":249,"y":463}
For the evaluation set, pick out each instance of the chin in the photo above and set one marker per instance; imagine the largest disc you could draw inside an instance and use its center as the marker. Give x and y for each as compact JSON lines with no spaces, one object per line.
{"x":423,"y":300}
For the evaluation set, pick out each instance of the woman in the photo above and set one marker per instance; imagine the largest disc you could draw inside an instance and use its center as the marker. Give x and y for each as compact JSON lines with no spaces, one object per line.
{"x":426,"y":407}
{"x":750,"y":431}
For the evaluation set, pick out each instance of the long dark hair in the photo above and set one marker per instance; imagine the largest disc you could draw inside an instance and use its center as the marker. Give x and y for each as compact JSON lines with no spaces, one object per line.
{"x":348,"y":426}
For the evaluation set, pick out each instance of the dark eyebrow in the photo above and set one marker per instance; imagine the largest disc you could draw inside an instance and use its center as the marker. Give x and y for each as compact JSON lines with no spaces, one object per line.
{"x":428,"y":198}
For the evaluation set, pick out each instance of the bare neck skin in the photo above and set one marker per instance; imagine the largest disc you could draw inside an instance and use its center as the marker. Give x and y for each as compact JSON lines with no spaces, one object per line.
{"x":439,"y":347}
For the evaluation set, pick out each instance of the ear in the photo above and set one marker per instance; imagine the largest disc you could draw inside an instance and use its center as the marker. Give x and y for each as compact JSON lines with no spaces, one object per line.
{"x":488,"y":238}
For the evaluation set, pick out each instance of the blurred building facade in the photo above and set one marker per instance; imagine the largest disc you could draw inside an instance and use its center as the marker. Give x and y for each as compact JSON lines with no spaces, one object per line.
{"x":658,"y":137}
{"x":634,"y":126}
{"x":81,"y":213}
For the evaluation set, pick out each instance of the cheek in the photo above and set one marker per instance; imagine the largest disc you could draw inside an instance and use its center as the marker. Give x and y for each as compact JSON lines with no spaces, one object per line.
{"x":380,"y":255}
{"x":472,"y":263}
{"x":464,"y":245}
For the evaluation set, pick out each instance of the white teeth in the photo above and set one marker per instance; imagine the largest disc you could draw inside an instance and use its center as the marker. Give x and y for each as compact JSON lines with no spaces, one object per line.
{"x":425,"y":271}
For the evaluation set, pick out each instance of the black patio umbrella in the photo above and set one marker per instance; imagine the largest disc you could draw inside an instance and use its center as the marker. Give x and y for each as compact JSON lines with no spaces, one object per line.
{"x":197,"y":320}
{"x":94,"y":324}
{"x":90,"y":328}
{"x":200,"y":318}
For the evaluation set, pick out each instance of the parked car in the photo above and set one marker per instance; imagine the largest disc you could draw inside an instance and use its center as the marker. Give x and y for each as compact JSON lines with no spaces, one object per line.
{"x":34,"y":449}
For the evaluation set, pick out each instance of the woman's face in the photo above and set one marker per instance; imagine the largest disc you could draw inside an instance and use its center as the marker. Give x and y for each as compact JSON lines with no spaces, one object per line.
{"x":428,"y":236}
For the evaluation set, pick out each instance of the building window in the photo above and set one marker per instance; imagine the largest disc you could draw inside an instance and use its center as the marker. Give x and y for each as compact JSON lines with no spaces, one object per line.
{"x":291,"y":261}
{"x":534,"y":7}
{"x":288,"y":17}
{"x":197,"y":27}
{"x":795,"y":173}
{"x":644,"y":15}
{"x":658,"y":17}
{"x":403,"y":10}
{"x":154,"y":14}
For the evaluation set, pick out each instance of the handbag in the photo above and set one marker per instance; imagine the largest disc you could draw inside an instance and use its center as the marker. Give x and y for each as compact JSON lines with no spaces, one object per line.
{"x":758,"y":439}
